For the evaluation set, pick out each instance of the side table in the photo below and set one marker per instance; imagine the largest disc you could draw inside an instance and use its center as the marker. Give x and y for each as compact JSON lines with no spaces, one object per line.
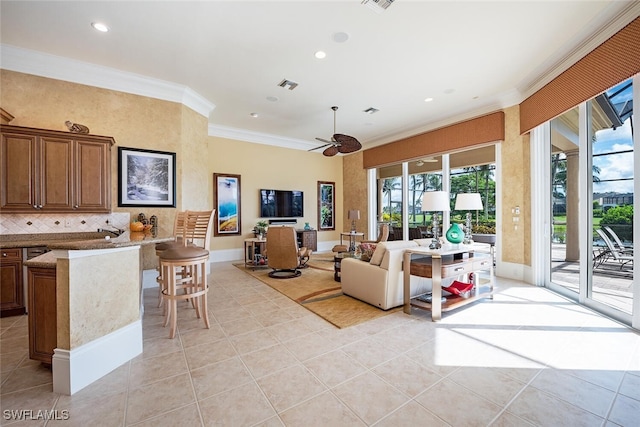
{"x":352,"y":239}
{"x":254,"y":249}
{"x":337,"y":264}
{"x":440,"y":264}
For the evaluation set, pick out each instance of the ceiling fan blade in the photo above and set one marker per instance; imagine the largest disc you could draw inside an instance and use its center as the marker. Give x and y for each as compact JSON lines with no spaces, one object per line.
{"x":324,"y":140}
{"x":331,"y":151}
{"x":322,"y":146}
{"x":346,"y":143}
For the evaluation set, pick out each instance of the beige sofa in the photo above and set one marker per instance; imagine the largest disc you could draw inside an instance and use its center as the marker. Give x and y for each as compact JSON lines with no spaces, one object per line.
{"x":379,"y":282}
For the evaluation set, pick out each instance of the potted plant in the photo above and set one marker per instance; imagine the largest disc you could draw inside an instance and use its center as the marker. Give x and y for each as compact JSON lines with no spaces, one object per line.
{"x":260,"y":229}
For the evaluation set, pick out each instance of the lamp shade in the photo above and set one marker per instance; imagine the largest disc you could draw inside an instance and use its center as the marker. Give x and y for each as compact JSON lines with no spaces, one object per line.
{"x":354,"y":214}
{"x":435,"y":201}
{"x":468,"y":202}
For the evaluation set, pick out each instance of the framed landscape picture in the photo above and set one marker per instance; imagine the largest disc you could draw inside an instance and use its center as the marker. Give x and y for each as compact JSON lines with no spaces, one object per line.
{"x":146,"y":178}
{"x":226,"y":201}
{"x":326,"y":205}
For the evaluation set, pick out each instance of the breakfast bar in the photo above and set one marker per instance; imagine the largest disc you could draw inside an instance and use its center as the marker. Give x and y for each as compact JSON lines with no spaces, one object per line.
{"x":98,"y":304}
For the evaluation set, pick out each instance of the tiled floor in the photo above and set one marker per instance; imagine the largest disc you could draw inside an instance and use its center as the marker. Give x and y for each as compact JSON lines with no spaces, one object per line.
{"x":526,"y":358}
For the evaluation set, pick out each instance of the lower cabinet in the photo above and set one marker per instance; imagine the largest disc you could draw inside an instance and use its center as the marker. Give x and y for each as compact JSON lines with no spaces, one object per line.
{"x":42,"y":313}
{"x":11,"y":284}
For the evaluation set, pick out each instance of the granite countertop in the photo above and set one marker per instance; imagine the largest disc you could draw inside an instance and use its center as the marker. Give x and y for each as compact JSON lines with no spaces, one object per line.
{"x":79,"y":241}
{"x":84,"y":240}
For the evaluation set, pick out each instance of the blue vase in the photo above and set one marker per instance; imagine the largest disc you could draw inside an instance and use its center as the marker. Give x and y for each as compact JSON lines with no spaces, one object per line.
{"x":307,"y":226}
{"x":455,"y":233}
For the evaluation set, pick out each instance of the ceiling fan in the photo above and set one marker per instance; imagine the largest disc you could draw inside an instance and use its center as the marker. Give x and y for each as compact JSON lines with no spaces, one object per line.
{"x":339,"y":143}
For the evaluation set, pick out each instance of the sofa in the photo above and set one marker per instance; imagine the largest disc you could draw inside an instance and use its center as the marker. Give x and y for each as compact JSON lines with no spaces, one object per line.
{"x":380,"y":282}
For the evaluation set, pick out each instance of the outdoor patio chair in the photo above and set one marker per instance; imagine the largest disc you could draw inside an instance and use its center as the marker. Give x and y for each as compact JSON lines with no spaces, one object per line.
{"x":613,"y":251}
{"x":627,"y":250}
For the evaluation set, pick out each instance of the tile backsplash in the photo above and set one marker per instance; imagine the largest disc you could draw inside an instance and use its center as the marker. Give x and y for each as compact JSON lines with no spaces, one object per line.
{"x":61,"y":223}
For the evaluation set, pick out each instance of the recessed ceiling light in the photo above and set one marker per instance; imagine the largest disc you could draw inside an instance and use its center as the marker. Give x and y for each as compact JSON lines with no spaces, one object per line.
{"x":254,"y":115}
{"x":99,"y":26}
{"x":428,"y":99}
{"x":320,"y":54}
{"x":272,"y":98}
{"x":449,"y":91}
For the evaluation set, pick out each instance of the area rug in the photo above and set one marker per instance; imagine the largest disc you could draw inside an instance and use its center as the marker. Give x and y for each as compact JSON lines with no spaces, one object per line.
{"x":318,"y":292}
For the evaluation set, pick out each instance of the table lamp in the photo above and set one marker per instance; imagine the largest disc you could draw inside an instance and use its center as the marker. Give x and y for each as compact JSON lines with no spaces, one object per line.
{"x":354,"y":215}
{"x":435,"y":201}
{"x":468,"y":202}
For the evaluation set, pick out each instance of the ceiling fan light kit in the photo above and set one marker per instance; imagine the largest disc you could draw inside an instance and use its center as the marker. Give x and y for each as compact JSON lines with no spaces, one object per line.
{"x":339,"y":143}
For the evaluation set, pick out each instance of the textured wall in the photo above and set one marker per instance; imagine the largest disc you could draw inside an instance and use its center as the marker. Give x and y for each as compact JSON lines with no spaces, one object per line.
{"x":516,"y":191}
{"x":111,"y":300}
{"x":355,"y":192}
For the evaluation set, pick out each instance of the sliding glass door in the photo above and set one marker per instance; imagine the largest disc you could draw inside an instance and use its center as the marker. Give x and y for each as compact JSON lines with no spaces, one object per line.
{"x":591,"y":203}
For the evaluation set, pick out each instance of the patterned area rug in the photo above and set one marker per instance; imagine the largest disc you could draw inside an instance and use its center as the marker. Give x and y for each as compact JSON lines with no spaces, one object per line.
{"x":317,"y":291}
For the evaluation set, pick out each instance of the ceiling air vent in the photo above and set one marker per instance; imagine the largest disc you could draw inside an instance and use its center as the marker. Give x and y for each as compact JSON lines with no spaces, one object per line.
{"x":288,"y":84}
{"x":377,"y":5}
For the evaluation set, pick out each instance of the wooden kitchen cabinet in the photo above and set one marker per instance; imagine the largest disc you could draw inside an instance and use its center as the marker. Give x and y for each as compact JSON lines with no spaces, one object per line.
{"x":54,"y":171}
{"x":43,"y":337}
{"x":11,"y":286}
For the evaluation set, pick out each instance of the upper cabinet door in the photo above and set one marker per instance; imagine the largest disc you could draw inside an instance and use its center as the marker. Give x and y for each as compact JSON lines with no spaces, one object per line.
{"x":92,"y":176}
{"x":56,"y":168}
{"x":18,"y":172}
{"x":53,"y":171}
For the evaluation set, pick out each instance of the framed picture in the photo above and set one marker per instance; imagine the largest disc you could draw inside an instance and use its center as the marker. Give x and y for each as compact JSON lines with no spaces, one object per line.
{"x":146,"y":178}
{"x":326,"y":205}
{"x":226,"y":201}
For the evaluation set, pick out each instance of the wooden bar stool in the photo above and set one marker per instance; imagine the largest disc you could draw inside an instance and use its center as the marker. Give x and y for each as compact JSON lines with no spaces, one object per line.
{"x":178,"y":231}
{"x":183,"y":269}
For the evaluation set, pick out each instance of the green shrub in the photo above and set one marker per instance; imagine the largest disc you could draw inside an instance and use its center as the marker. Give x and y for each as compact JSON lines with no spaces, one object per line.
{"x":620,"y":219}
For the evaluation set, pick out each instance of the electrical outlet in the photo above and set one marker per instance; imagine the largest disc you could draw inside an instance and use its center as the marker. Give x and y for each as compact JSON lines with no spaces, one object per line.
{"x":67,"y":223}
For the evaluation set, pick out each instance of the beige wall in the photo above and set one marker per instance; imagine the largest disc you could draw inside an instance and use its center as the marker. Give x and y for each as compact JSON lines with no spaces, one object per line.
{"x":516,"y":191}
{"x":355,"y":192}
{"x":263,"y":166}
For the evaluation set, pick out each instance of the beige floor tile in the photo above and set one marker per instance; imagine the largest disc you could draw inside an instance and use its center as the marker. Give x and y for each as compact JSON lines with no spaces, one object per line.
{"x":219,"y":377}
{"x":35,"y":399}
{"x":252,"y":341}
{"x":10,"y":361}
{"x":507,"y":419}
{"x":114,"y":382}
{"x":369,"y":352}
{"x":309,"y":346}
{"x":15,"y":343}
{"x":411,"y":414}
{"x":625,"y":411}
{"x":543,"y":409}
{"x":321,"y":411}
{"x":268,"y":360}
{"x":289,"y":330}
{"x":151,"y":369}
{"x":103,"y":411}
{"x":187,"y":416}
{"x":208,"y":353}
{"x":157,"y":346}
{"x":276,"y":317}
{"x":407,"y":375}
{"x":240,"y":326}
{"x":29,"y":376}
{"x":489,"y":383}
{"x":334,"y":367}
{"x":370,"y":397}
{"x":290,"y":386}
{"x":201,"y":335}
{"x":156,"y":398}
{"x":575,"y":391}
{"x":242,"y":406}
{"x":631,"y":386}
{"x":451,"y":402}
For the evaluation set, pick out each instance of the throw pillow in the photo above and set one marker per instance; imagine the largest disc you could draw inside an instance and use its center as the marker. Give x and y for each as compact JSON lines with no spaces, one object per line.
{"x":366,"y":251}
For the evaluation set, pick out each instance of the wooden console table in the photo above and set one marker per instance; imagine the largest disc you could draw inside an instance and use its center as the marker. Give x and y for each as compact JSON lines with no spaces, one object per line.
{"x":254,"y":249}
{"x":440,"y":264}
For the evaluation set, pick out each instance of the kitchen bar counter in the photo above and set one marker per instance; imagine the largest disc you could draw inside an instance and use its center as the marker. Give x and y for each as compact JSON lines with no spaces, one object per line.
{"x":84,"y":241}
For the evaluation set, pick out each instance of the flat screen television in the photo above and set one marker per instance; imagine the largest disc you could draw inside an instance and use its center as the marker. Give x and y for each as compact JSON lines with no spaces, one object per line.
{"x":281,"y":204}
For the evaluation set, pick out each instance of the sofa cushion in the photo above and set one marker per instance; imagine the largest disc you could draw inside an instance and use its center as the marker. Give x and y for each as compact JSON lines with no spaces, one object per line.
{"x":382,"y":247}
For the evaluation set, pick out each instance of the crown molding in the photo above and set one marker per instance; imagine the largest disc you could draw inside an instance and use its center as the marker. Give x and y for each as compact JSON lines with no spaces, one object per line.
{"x":619,"y":15}
{"x":59,"y":68}
{"x":259,"y":138}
